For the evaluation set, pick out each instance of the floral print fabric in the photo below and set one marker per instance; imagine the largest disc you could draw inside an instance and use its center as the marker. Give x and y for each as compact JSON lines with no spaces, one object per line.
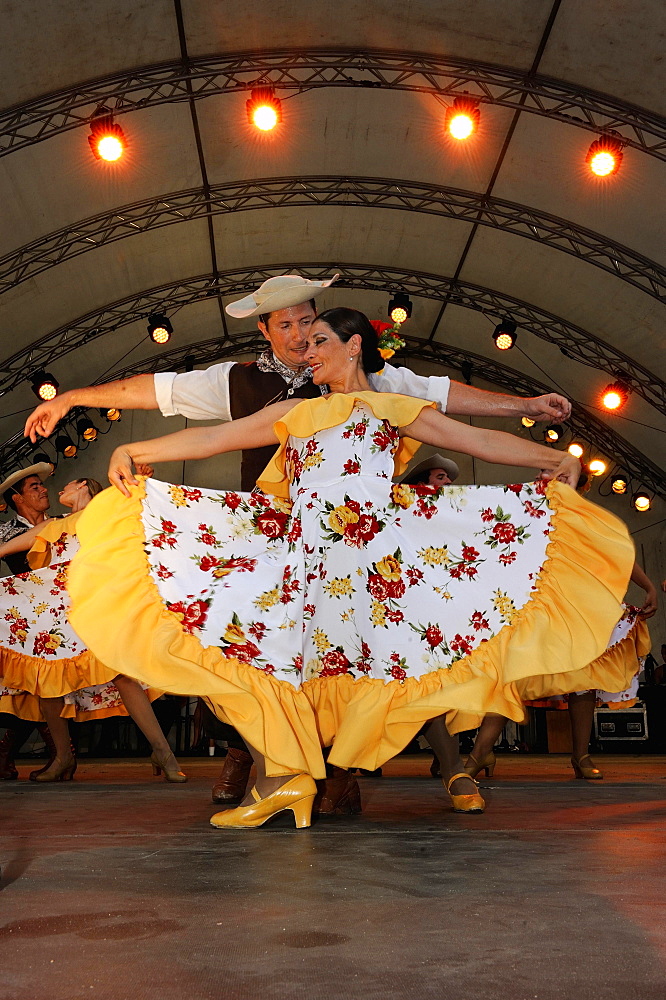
{"x":351,"y":575}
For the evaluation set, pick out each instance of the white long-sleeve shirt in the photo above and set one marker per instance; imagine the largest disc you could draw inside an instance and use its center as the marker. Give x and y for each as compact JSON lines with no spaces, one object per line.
{"x":204,"y":395}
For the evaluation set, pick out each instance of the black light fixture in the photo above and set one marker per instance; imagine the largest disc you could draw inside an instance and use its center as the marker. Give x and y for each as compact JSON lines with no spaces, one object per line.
{"x":505,"y":335}
{"x":553,"y":433}
{"x":44,"y":385}
{"x":40,"y":456}
{"x":65,"y":446}
{"x":642,"y":501}
{"x":400,"y":307}
{"x":86,"y":429}
{"x":264,"y":109}
{"x":159,"y":328}
{"x":620,"y":483}
{"x":107,"y":140}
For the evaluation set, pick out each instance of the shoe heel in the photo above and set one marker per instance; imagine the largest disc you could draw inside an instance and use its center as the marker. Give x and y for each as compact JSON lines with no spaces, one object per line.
{"x":489,"y":770}
{"x":157,"y":770}
{"x":302,"y":811}
{"x":576,"y":768}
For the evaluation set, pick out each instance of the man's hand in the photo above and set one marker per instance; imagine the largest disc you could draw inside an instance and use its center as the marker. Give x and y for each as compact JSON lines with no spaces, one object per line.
{"x":568,"y":471}
{"x":120,"y":470}
{"x":142,"y":469}
{"x":44,"y":417}
{"x":552,"y":406}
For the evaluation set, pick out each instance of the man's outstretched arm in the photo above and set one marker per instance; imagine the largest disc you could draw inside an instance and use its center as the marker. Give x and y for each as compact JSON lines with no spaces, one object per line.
{"x":136,"y":393}
{"x":468,"y":401}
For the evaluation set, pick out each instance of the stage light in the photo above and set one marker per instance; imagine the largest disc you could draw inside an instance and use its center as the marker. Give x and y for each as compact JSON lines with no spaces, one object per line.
{"x":615,"y":395}
{"x":597,"y":467}
{"x":400,"y":307}
{"x":462,"y":118}
{"x":576,"y":449}
{"x":159,"y":328}
{"x":505,"y":335}
{"x":107,"y":140}
{"x":86,"y":429}
{"x":642,"y":501}
{"x":44,"y":385}
{"x":264,"y":109}
{"x":65,"y":446}
{"x":604,"y":156}
{"x":620,"y":483}
{"x":112,"y":414}
{"x":527,"y":422}
{"x":41,"y":456}
{"x":553,"y":433}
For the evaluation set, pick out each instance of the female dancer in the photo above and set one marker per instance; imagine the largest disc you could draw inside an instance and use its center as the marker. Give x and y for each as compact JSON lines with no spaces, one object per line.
{"x":318,"y":612}
{"x":37,"y":621}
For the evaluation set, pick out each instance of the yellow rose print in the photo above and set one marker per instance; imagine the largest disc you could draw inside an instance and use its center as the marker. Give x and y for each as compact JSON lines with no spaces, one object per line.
{"x":402,"y":496}
{"x":339,"y":587}
{"x":177,"y":496}
{"x":389,"y":568}
{"x":435,"y":557}
{"x":378,"y":614}
{"x":321,"y":640}
{"x":339,"y":517}
{"x":268,"y":599}
{"x":235,"y":634}
{"x":504,"y":605}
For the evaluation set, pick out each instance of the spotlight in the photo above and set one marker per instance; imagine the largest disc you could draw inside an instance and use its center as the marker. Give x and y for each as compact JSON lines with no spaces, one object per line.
{"x":264,"y":109}
{"x":86,"y":429}
{"x":159,"y":328}
{"x":642,"y":501}
{"x":597,"y":467}
{"x":44,"y":385}
{"x":620,"y":483}
{"x":604,"y":156}
{"x":65,"y":446}
{"x":41,"y":456}
{"x":615,"y":395}
{"x":527,"y":421}
{"x":575,"y":449}
{"x":553,"y":433}
{"x":462,"y":118}
{"x":107,"y":140}
{"x":112,"y":414}
{"x":400,"y":307}
{"x":505,"y":335}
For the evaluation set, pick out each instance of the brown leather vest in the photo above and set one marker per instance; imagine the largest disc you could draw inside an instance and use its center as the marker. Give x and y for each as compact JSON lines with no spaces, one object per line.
{"x":250,"y":390}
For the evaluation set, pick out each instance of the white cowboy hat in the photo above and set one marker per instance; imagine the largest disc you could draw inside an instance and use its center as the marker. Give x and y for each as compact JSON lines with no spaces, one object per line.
{"x":277,"y":293}
{"x":42,"y":469}
{"x":434,"y":462}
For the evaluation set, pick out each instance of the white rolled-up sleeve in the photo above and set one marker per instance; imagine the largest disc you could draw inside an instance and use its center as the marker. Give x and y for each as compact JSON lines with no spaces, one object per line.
{"x":432,"y":387}
{"x":198,"y":395}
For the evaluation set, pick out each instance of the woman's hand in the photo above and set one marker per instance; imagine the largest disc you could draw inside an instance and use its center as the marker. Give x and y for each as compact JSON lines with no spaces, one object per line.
{"x":650,"y":604}
{"x":120,"y":470}
{"x":143,"y":469}
{"x":568,"y":471}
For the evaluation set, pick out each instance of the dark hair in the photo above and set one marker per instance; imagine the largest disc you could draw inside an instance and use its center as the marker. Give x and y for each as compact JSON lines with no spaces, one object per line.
{"x":8,"y":495}
{"x":93,"y":486}
{"x":347,"y":322}
{"x":264,"y":317}
{"x":418,"y":478}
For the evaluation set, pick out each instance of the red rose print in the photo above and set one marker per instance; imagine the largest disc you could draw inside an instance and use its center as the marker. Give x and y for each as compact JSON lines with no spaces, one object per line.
{"x":334,"y":662}
{"x":414,"y":576}
{"x":245,"y":651}
{"x":163,"y":572}
{"x":242,"y":564}
{"x":398,"y":673}
{"x":396,"y":588}
{"x":351,"y":468}
{"x":433,"y":636}
{"x":360,"y":429}
{"x":232,"y":500}
{"x":487,"y":515}
{"x":366,"y":652}
{"x":311,"y":447}
{"x":168,"y":526}
{"x":394,"y":616}
{"x":469,"y":553}
{"x":504,"y":532}
{"x":478,"y":622}
{"x":507,"y":558}
{"x":272,"y":523}
{"x":515,"y":487}
{"x":193,"y":615}
{"x":207,"y":563}
{"x":377,"y":586}
{"x":191,"y":494}
{"x":207,"y":538}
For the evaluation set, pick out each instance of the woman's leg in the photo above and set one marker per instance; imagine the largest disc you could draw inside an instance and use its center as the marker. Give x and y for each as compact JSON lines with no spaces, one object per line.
{"x":265,"y":786}
{"x":51,"y":709}
{"x":447,"y":750}
{"x":581,"y":717}
{"x":486,"y":738}
{"x":137,"y":703}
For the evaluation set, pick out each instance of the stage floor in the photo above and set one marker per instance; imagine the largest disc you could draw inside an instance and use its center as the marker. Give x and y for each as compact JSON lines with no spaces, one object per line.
{"x":115,"y":887}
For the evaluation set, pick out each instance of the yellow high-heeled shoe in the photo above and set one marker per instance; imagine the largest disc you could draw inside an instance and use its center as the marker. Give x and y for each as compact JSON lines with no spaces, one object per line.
{"x":169,"y":765}
{"x":474,"y":767}
{"x":465,"y":803}
{"x":296,"y":794}
{"x":588,"y":771}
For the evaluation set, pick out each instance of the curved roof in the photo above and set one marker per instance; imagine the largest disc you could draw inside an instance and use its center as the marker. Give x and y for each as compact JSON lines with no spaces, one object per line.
{"x":359,"y":177}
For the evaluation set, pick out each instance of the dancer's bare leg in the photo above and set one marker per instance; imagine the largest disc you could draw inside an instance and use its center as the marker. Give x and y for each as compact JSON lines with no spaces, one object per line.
{"x":448,"y":751}
{"x":486,"y":738}
{"x":51,"y":709}
{"x":581,"y":716}
{"x":137,"y":703}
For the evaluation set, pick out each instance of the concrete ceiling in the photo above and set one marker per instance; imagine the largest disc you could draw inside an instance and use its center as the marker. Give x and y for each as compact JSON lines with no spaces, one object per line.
{"x":512,"y":215}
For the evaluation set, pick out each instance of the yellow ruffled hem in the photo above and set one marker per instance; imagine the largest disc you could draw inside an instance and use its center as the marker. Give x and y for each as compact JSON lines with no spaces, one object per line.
{"x":39,"y":555}
{"x":26,"y":706}
{"x":589,"y":560}
{"x":313,"y":415}
{"x":52,"y":678}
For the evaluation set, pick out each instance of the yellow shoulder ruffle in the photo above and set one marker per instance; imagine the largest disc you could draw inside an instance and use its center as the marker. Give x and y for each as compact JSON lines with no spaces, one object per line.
{"x":39,"y":555}
{"x":313,"y":415}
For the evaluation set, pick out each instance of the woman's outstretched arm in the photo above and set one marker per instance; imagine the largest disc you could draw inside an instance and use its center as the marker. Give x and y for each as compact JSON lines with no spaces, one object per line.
{"x":22,"y":542}
{"x":255,"y":431}
{"x":432,"y":427}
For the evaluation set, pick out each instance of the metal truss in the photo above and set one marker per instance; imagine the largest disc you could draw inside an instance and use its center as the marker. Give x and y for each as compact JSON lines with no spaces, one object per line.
{"x":581,"y":423}
{"x":575,"y":342}
{"x":306,"y":69}
{"x":329,"y":190}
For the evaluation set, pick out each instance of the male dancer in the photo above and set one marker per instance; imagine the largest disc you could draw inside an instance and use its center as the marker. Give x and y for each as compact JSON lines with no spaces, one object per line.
{"x":284,"y":308}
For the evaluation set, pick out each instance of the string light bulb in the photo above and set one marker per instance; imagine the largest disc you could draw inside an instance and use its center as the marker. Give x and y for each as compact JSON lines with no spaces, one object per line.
{"x":264,"y":109}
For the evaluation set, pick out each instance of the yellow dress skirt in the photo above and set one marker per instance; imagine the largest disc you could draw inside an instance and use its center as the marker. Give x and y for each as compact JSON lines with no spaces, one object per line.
{"x":40,"y":654}
{"x":330,"y":607}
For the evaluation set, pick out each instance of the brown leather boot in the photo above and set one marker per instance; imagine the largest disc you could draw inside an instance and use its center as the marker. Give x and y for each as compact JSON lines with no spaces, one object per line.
{"x":338,"y":794}
{"x":8,"y":771}
{"x":231,"y":785}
